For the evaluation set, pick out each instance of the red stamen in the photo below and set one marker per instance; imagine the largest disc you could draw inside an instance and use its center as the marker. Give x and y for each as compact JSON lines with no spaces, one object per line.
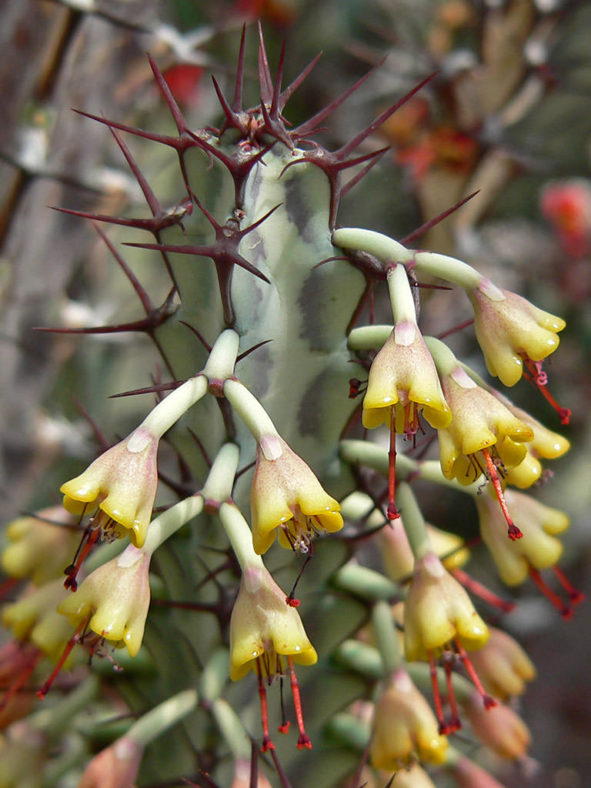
{"x":513,"y":532}
{"x":487,"y":699}
{"x":564,"y":610}
{"x":31,"y":660}
{"x":393,"y":513}
{"x":267,"y":743}
{"x":482,"y":591}
{"x":303,"y":739}
{"x":537,"y":377}
{"x":89,"y":538}
{"x":60,"y":663}
{"x":575,"y":595}
{"x":284,"y":727}
{"x":455,"y":722}
{"x":443,"y":726}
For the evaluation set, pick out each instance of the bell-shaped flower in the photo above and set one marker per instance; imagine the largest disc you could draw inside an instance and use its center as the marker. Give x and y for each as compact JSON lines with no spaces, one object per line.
{"x":503,"y":666}
{"x":468,"y":774}
{"x":40,"y":546}
{"x":403,"y":376}
{"x":264,"y":628}
{"x":34,"y":619}
{"x":538,"y":547}
{"x":122,"y":484}
{"x":413,"y":776}
{"x":116,"y":766}
{"x":287,"y":496}
{"x":510,"y":329}
{"x":114,"y":600}
{"x":438,"y":612}
{"x":404,"y":728}
{"x":545,"y":445}
{"x":480,"y":424}
{"x":397,"y":554}
{"x":499,"y":728}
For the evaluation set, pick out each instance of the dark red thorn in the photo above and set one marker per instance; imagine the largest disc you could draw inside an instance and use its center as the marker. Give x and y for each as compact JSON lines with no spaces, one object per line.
{"x":436,"y":220}
{"x":233,"y":119}
{"x":293,"y":86}
{"x":252,"y":349}
{"x":151,"y":198}
{"x":153,"y":225}
{"x":311,"y":125}
{"x":31,"y":659}
{"x":197,"y":334}
{"x":382,"y":118}
{"x":275,"y":106}
{"x":99,"y":436}
{"x":154,"y":389}
{"x":232,"y":258}
{"x":454,"y":329}
{"x":265,"y":79}
{"x":238,"y":85}
{"x":373,"y":160}
{"x":180,"y":144}
{"x":174,"y":108}
{"x":275,"y":127}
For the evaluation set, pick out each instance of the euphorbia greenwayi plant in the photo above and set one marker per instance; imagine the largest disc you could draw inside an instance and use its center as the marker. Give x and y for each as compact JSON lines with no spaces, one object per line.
{"x":263,"y":341}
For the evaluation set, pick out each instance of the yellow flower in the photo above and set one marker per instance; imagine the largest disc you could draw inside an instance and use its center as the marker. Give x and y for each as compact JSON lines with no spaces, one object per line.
{"x":397,"y":555}
{"x":404,"y":727}
{"x":498,"y":728}
{"x":413,"y":776}
{"x":538,"y":547}
{"x":479,"y":423}
{"x":40,"y":546}
{"x":437,"y":612}
{"x":511,"y":329}
{"x":34,"y":618}
{"x":114,"y":600}
{"x":122,"y":483}
{"x":503,"y":666}
{"x":403,"y":376}
{"x":546,"y":445}
{"x":286,"y":495}
{"x":264,"y":628}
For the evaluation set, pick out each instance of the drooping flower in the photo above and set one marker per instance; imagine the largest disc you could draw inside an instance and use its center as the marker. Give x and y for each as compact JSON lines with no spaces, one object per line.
{"x":510,"y":329}
{"x":413,"y":776}
{"x":116,"y":766}
{"x":440,"y":621}
{"x":40,"y":546}
{"x":287,"y":496}
{"x":469,"y":774}
{"x":438,"y":612}
{"x":498,"y":728}
{"x":114,"y":600}
{"x":503,"y":666}
{"x":404,"y":727}
{"x":538,"y":546}
{"x":403,"y":376}
{"x":120,"y":485}
{"x":267,"y":636}
{"x":480,"y":425}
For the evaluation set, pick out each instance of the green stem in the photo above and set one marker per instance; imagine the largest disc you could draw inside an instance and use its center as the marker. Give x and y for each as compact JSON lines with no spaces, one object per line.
{"x":381,"y":246}
{"x":169,"y":522}
{"x":53,"y":720}
{"x":401,"y":298}
{"x":414,"y":523}
{"x":386,"y":636}
{"x":175,"y":405}
{"x":222,"y":358}
{"x":240,"y":536}
{"x":368,"y":337}
{"x":449,"y":268}
{"x":250,"y":410}
{"x":220,"y":479}
{"x":365,"y":583}
{"x":163,"y":716}
{"x":231,"y":729}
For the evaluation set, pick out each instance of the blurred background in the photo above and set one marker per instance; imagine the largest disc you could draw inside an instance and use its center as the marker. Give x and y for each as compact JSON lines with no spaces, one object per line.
{"x":508,"y":115}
